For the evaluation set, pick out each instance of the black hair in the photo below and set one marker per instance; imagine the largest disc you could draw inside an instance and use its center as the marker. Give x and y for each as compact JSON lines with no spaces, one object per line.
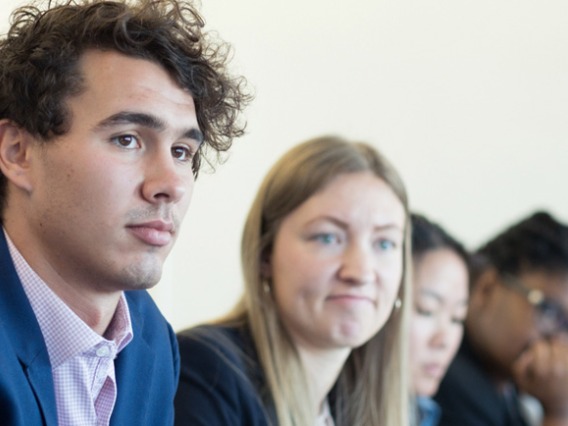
{"x":428,"y":236}
{"x":39,"y":59}
{"x":538,"y":242}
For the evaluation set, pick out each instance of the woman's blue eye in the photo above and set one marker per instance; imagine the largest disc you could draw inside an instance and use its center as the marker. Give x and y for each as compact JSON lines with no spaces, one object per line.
{"x":326,"y":238}
{"x":384,"y":244}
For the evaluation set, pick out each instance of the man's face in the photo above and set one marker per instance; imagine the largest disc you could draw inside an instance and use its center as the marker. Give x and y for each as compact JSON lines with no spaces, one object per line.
{"x":108,"y":197}
{"x":507,"y":324}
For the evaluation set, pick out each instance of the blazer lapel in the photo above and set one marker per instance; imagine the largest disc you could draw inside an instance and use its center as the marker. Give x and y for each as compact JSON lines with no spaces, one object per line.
{"x":23,"y":331}
{"x":41,"y":380}
{"x":134,"y":368}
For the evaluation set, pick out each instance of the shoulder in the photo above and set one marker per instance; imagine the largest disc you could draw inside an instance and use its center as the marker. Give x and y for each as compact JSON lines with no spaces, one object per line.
{"x":466,"y":376}
{"x":151,"y":330}
{"x":145,"y":316}
{"x":26,"y":386}
{"x":466,"y":394}
{"x":217,"y":380}
{"x":221,"y":338}
{"x":218,"y":348}
{"x":141,"y":302}
{"x":26,"y":390}
{"x":147,"y":369}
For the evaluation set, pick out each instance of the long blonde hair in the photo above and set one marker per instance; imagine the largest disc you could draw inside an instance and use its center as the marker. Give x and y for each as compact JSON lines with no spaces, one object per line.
{"x":372,"y":388}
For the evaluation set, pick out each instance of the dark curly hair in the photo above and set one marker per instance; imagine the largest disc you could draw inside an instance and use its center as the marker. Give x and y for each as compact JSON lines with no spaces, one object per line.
{"x":538,"y":242}
{"x":40,"y":53}
{"x":428,"y":236}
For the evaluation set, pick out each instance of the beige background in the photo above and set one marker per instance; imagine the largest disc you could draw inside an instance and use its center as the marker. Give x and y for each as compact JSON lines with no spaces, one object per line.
{"x":469,"y":99}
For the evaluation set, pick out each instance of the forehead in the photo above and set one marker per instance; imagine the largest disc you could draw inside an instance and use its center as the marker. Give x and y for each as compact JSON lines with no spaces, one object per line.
{"x":359,"y":197}
{"x":112,"y":82}
{"x":441,"y":272}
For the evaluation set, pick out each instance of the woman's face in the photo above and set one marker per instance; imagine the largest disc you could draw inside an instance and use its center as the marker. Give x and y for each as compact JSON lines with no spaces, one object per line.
{"x":337,"y":263}
{"x":440,"y":306}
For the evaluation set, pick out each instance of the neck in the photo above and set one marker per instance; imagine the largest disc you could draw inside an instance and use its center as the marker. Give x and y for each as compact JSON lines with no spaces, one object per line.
{"x":95,"y":308}
{"x":322,"y":368}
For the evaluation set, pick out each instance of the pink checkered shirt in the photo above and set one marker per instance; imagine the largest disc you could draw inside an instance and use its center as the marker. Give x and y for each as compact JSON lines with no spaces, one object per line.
{"x":82,"y":362}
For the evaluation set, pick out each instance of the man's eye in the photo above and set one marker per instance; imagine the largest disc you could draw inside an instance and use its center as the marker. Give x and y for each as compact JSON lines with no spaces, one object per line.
{"x":182,"y":153}
{"x":126,"y":141}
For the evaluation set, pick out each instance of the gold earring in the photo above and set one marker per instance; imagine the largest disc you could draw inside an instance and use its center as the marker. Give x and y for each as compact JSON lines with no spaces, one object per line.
{"x":265,"y":287}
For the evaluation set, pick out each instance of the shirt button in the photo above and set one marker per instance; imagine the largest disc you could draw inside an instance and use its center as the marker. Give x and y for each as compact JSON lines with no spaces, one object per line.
{"x":103,"y":351}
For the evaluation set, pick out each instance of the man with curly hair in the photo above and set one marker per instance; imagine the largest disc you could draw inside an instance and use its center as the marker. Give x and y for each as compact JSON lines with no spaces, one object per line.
{"x":516,"y":331}
{"x":106,"y":109}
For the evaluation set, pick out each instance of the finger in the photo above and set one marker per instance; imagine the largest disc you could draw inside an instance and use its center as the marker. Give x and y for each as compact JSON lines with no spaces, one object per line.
{"x":558,"y":362}
{"x":539,"y":368}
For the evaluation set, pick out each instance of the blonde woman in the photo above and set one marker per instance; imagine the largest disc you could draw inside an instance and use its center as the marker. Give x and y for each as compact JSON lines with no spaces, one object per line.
{"x":317,"y":338}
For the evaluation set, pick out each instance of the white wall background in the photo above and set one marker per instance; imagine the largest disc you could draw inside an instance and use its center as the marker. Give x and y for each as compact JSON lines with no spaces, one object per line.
{"x":469,"y":99}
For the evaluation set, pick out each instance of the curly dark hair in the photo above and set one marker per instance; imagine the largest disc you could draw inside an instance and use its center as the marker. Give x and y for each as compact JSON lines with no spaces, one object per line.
{"x":39,"y":63}
{"x":428,"y":236}
{"x":536,"y":243}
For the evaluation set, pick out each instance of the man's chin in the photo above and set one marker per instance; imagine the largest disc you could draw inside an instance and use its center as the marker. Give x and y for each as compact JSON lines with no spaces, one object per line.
{"x":142,"y":276}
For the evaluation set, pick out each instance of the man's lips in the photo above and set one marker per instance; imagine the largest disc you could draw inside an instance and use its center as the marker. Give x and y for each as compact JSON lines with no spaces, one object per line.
{"x":155,"y":233}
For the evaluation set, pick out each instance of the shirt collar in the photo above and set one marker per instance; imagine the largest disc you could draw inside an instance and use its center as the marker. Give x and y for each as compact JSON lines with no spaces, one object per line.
{"x":65,"y":334}
{"x":429,"y":411}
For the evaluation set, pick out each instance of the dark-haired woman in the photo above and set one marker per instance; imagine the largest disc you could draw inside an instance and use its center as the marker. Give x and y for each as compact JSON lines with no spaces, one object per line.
{"x":440,"y":305}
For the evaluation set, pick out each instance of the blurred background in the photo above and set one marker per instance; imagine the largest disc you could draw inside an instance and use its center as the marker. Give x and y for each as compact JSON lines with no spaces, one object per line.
{"x":468,"y":99}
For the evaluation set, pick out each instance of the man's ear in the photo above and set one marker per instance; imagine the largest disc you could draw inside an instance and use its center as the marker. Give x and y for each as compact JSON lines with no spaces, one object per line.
{"x":15,"y":150}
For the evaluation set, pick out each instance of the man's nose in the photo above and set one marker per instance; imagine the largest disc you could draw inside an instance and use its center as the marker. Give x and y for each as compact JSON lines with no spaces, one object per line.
{"x":164,"y":180}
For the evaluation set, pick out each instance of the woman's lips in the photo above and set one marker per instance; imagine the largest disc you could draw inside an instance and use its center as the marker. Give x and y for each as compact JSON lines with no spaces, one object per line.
{"x":433,"y":370}
{"x":350,"y":299}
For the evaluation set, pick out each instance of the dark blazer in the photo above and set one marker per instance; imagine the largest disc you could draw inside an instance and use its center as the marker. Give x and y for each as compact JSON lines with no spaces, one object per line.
{"x":220,"y":380}
{"x":468,"y":397}
{"x":146,"y":370}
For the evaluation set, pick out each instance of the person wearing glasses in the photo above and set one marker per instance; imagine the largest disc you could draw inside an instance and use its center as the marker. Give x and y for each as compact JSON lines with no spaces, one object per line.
{"x":516,"y":330}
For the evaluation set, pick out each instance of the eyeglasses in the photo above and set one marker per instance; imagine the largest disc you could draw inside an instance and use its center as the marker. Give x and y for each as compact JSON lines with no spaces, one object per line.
{"x":550,"y":314}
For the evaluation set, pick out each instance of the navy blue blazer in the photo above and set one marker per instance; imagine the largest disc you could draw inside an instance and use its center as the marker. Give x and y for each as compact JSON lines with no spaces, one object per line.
{"x":221,"y":383}
{"x":147,"y":369}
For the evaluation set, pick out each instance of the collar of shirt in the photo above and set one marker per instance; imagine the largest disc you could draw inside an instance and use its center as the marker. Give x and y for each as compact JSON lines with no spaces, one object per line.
{"x":65,"y":334}
{"x":429,"y":411}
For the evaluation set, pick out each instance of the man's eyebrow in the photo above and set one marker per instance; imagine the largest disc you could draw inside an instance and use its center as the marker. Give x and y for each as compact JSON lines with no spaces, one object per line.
{"x":195,"y":134}
{"x":147,"y":120}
